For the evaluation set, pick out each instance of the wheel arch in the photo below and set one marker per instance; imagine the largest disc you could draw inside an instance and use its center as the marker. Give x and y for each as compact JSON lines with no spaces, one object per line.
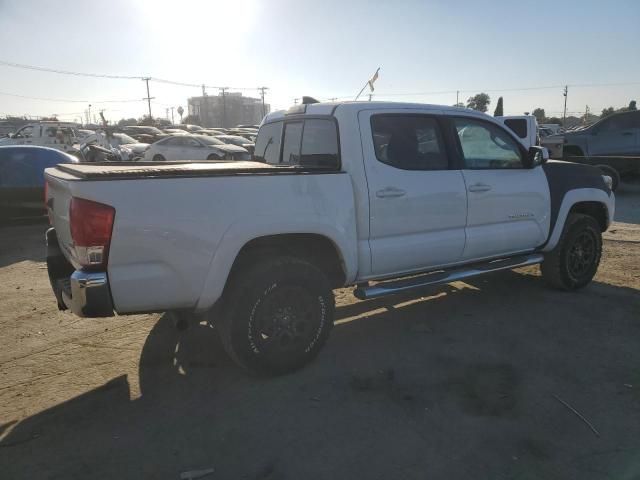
{"x":589,"y":201}
{"x":331,"y":251}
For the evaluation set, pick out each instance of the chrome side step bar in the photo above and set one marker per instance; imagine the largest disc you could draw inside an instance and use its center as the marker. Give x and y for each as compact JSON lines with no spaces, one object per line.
{"x":436,"y":278}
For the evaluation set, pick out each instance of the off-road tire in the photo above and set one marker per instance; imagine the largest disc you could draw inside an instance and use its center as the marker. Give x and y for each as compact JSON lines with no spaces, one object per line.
{"x":573,"y":263}
{"x":613,"y":173}
{"x":158,"y":158}
{"x":277,"y":316}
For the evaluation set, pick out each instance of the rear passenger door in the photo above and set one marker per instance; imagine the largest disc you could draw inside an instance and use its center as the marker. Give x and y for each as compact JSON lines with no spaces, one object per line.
{"x":417,"y":197}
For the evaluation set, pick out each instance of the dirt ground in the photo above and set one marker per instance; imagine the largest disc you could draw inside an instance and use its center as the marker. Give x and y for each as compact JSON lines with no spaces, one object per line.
{"x":464,"y":382}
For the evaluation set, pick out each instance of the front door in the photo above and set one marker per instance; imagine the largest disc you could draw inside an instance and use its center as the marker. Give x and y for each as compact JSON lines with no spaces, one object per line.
{"x":508,"y":205}
{"x":417,"y":200}
{"x":616,"y":136}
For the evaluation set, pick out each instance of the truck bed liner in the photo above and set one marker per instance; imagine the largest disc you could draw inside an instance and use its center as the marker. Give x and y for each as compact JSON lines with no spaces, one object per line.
{"x":137,"y":170}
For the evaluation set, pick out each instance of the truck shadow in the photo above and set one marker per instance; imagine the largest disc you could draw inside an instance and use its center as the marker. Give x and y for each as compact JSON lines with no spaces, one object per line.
{"x":456,"y":383}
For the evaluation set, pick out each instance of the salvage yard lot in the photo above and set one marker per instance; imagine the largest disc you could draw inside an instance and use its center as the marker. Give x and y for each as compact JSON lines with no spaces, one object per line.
{"x":459,"y":383}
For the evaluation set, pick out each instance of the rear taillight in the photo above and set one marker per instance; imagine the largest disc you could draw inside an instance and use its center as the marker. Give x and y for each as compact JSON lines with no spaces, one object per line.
{"x":91,"y":225}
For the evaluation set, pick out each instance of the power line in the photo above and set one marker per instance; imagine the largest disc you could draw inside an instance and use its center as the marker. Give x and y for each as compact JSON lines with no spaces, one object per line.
{"x":66,"y":72}
{"x":66,"y":100}
{"x":118,"y":77}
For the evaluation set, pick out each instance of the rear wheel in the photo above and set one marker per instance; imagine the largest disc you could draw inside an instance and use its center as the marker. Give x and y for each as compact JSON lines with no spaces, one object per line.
{"x":613,"y":173}
{"x":574,"y":261}
{"x":158,"y":158}
{"x":278,"y":315}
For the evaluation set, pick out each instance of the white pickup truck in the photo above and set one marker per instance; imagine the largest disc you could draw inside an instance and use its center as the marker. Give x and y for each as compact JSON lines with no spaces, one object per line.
{"x":387,"y":197}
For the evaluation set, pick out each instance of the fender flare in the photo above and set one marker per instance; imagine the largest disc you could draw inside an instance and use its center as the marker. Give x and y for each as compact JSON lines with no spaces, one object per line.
{"x":571,"y":198}
{"x":246,"y":230}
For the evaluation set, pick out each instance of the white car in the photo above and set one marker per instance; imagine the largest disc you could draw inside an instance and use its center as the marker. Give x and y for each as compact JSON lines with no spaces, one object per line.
{"x":194,"y":147}
{"x":124,"y":142}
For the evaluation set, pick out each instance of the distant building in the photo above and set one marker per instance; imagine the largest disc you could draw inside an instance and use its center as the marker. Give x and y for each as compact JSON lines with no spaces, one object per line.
{"x":228,"y":111}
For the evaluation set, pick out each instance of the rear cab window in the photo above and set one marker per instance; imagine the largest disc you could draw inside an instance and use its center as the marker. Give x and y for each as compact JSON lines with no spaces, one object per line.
{"x":305,"y":142}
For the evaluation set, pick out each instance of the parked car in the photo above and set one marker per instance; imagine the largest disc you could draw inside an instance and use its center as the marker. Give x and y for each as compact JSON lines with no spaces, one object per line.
{"x":612,"y":143}
{"x":209,"y":133}
{"x":125,"y":142}
{"x":186,"y":127}
{"x":22,"y":178}
{"x":406,"y":195}
{"x":175,"y":131}
{"x":144,"y":133}
{"x":194,"y":147}
{"x":237,"y":140}
{"x":59,"y":135}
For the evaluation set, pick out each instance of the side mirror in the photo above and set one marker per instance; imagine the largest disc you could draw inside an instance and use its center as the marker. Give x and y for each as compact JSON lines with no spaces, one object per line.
{"x":536,"y":156}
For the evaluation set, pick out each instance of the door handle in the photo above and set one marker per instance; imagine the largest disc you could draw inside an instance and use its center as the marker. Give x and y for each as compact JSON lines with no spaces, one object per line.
{"x":479,"y":187}
{"x":390,"y":192}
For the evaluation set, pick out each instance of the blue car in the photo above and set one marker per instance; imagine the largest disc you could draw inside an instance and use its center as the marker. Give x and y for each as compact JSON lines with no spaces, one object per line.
{"x":22,"y":178}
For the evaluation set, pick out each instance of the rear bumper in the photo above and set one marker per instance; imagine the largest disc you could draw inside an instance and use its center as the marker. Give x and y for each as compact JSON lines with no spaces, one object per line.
{"x":86,"y":294}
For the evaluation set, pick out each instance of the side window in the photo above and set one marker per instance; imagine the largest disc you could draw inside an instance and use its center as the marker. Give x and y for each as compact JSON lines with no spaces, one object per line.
{"x":291,"y":143}
{"x":487,"y":146}
{"x":517,"y":126}
{"x":267,"y":147}
{"x":410,"y":142}
{"x":190,"y":142}
{"x":173,"y":142}
{"x":319,"y":144}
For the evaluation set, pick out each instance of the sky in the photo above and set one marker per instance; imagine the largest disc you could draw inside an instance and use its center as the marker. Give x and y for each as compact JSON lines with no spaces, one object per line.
{"x":426,"y":50}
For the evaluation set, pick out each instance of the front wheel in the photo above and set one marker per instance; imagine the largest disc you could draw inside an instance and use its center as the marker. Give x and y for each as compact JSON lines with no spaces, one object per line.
{"x":573,"y":263}
{"x":278,"y":315}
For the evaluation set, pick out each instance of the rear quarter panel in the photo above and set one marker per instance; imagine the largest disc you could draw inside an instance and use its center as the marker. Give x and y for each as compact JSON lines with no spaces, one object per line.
{"x":175,"y":239}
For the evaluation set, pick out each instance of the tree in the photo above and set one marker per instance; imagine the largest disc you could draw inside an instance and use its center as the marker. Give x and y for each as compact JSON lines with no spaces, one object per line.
{"x":553,"y":120}
{"x":632,"y":105}
{"x":192,"y":119}
{"x":459,"y":105}
{"x":124,"y":122}
{"x":540,"y":115}
{"x":606,"y":112}
{"x":499,"y":111}
{"x":479,"y":102}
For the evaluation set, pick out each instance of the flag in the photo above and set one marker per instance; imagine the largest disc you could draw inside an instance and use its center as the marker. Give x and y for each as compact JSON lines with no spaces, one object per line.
{"x":373,"y":79}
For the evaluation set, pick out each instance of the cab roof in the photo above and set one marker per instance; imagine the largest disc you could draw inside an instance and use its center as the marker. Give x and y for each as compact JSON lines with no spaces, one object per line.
{"x":329,"y":108}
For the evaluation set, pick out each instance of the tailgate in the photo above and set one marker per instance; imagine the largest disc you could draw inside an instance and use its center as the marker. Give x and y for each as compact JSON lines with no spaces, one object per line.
{"x":58,"y":200}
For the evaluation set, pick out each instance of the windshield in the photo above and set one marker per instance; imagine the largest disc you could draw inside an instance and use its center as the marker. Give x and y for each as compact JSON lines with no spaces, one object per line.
{"x":235,"y":140}
{"x":124,"y":139}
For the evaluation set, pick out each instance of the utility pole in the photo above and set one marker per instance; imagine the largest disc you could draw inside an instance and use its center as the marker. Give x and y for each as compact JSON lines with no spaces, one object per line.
{"x":262,"y":89}
{"x":148,"y":98}
{"x":172,"y":122}
{"x":370,"y":95}
{"x":457,"y":97}
{"x":204,"y":92}
{"x":586,"y":114}
{"x":223,"y":90}
{"x":89,"y":115}
{"x":564,"y":115}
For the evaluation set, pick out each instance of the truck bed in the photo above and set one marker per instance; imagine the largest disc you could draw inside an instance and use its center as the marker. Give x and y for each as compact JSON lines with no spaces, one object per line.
{"x":140,"y":170}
